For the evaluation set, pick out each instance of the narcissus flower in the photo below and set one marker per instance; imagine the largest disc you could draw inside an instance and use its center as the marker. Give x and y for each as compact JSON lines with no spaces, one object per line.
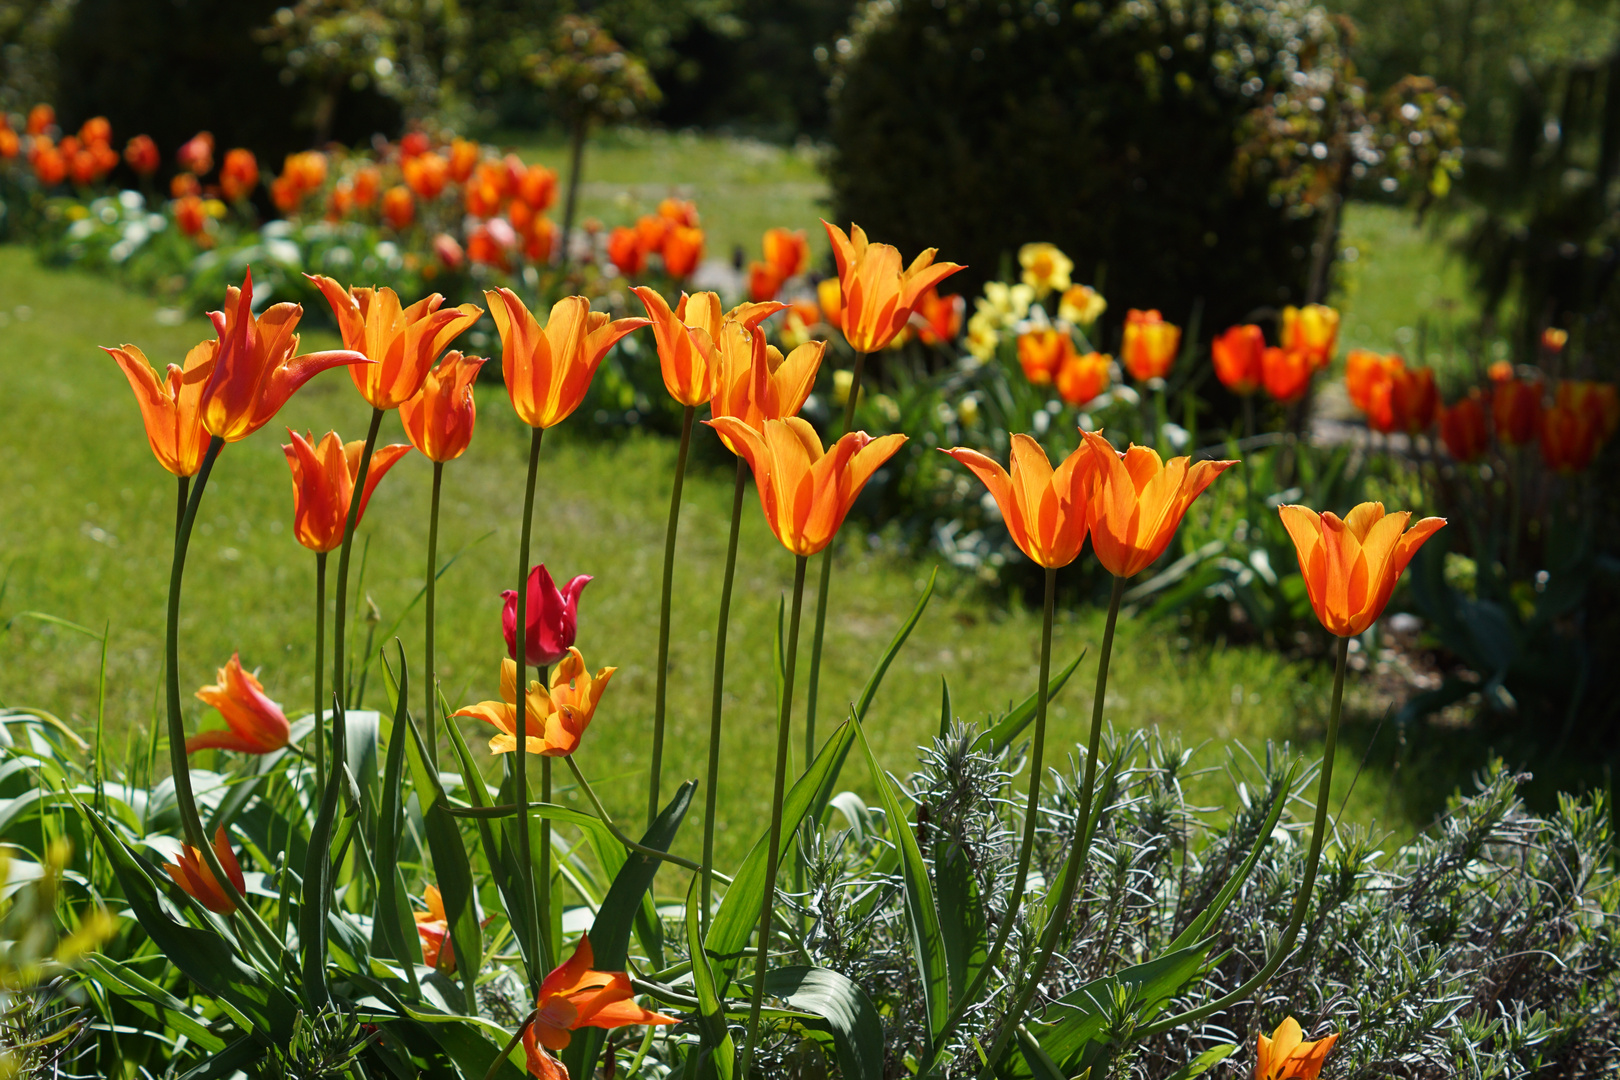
{"x":547,"y":371}
{"x":573,"y":997}
{"x":1286,"y":374}
{"x":1569,"y":439}
{"x":1150,"y":344}
{"x":1138,"y":501}
{"x":682,"y":251}
{"x":1237,"y":356}
{"x":323,"y":485}
{"x":1312,"y":330}
{"x":552,"y":621}
{"x":1351,"y":565}
{"x":439,"y":419}
{"x":255,"y":366}
{"x":1042,"y":352}
{"x":755,"y":382}
{"x":560,"y":714}
{"x":686,"y":354}
{"x":1081,"y":305}
{"x":1046,"y":269}
{"x":1516,"y":409}
{"x":193,"y":874}
{"x":1287,"y":1056}
{"x":257,"y":724}
{"x":877,"y":296}
{"x":170,"y":405}
{"x":433,"y":928}
{"x":804,"y":490}
{"x":1462,"y":428}
{"x":1083,"y":377}
{"x":403,"y":341}
{"x":787,"y":252}
{"x":1047,"y":510}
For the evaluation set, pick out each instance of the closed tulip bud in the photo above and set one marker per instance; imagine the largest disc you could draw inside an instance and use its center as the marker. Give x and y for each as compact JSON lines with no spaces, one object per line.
{"x":552,"y":621}
{"x":183,"y":184}
{"x":1237,"y":355}
{"x":196,"y":154}
{"x":1150,"y":344}
{"x":256,"y":724}
{"x":1363,"y":367}
{"x":1285,"y":374}
{"x":1598,"y":400}
{"x":414,"y":144}
{"x":652,"y":229}
{"x":1083,"y":377}
{"x":239,"y":175}
{"x":683,"y":250}
{"x":398,"y":208}
{"x":50,"y":166}
{"x":323,"y":485}
{"x":95,"y":130}
{"x":10,"y":143}
{"x":540,"y":240}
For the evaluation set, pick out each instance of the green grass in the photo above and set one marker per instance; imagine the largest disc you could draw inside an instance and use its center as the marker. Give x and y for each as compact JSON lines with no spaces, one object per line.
{"x":741,"y":187}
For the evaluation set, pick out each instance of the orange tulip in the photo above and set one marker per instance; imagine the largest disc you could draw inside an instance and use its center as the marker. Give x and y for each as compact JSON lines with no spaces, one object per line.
{"x":1553,"y":340}
{"x":787,"y":252}
{"x":1351,"y":566}
{"x":169,"y":406}
{"x":1600,"y":401}
{"x":1414,"y":399}
{"x":679,"y":212}
{"x":240,"y":174}
{"x":561,"y":713}
{"x":1047,"y":510}
{"x":626,"y":252}
{"x":398,"y":208}
{"x":1285,"y":373}
{"x":257,"y":724}
{"x":1516,"y":408}
{"x":1499,"y":371}
{"x":190,"y":215}
{"x":1569,"y":439}
{"x":755,"y":382}
{"x":538,"y":188}
{"x":40,"y":119}
{"x":183,"y":184}
{"x":439,"y":419}
{"x":486,"y":188}
{"x":683,"y":250}
{"x":651,"y":229}
{"x":196,"y":154}
{"x":193,"y":874}
{"x":1462,"y":428}
{"x":539,"y":240}
{"x":1082,"y":378}
{"x":686,"y":354}
{"x":1287,"y":1056}
{"x":877,"y":296}
{"x":1138,"y":500}
{"x":426,"y":174}
{"x":255,"y":368}
{"x":323,"y":485}
{"x":804,"y":490}
{"x":1150,"y":344}
{"x":764,"y":281}
{"x":142,"y":155}
{"x":433,"y":927}
{"x":548,"y":371}
{"x":464,"y":154}
{"x":367,"y":185}
{"x":404,"y":342}
{"x":1362,"y":368}
{"x":1042,"y":353}
{"x":1312,"y":330}
{"x":50,"y":166}
{"x":573,"y":997}
{"x":940,"y":317}
{"x":1237,"y":357}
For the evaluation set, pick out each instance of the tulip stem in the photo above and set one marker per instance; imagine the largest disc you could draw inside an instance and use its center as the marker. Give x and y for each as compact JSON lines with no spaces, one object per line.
{"x":431,"y":716}
{"x":814,"y":688}
{"x":1302,"y":899}
{"x":1031,"y":816}
{"x":545,"y":851}
{"x":659,"y":698}
{"x":539,"y":962}
{"x":1075,"y":869}
{"x":774,"y":844}
{"x":710,"y":795}
{"x":356,"y":497}
{"x":320,"y":671}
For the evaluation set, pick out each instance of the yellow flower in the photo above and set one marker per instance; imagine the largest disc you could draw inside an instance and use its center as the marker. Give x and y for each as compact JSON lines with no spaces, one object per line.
{"x":981,"y":335}
{"x":1045,"y":267}
{"x":1004,"y":303}
{"x":1081,"y":305}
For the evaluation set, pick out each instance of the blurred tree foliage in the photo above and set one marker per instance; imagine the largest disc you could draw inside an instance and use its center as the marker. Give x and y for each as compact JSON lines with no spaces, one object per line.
{"x":28,"y":30}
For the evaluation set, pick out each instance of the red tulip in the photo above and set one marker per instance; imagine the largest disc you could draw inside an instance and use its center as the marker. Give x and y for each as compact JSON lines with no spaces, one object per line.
{"x":553,"y":618}
{"x":142,"y":155}
{"x":197,"y":155}
{"x":1237,"y":355}
{"x":1462,"y":428}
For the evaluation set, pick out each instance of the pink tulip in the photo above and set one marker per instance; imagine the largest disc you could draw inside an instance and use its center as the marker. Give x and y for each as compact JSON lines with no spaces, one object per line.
{"x":553,"y":618}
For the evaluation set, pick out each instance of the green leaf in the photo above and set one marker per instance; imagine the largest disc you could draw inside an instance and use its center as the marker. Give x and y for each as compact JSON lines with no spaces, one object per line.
{"x":1002,"y":733}
{"x":1041,"y":1065}
{"x":317,"y":876}
{"x":845,"y":1010}
{"x":712,"y":1027}
{"x":739,"y":909}
{"x":961,"y":916}
{"x":169,"y":1011}
{"x":922,"y":914}
{"x":1075,"y":1020}
{"x":1204,"y":1062}
{"x":944,"y":707}
{"x":229,"y":1061}
{"x":393,"y":931}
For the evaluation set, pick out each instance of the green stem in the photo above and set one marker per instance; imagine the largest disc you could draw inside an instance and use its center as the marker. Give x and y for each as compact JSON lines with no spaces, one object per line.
{"x":1027,"y":847}
{"x":662,"y":684}
{"x":355,"y":499}
{"x":1302,"y":899}
{"x":520,"y":778}
{"x":710,"y":793}
{"x":774,"y":843}
{"x":814,"y":689}
{"x":320,"y":671}
{"x":1075,"y":870}
{"x":432,"y":711}
{"x":545,"y":858}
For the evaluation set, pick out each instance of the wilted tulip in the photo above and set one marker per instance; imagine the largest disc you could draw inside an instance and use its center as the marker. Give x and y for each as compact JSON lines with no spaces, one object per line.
{"x":553,"y":618}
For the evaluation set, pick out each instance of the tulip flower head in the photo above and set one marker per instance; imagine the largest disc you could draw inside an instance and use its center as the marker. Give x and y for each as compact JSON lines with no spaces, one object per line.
{"x":573,"y":997}
{"x":804,"y":490}
{"x":1046,"y":269}
{"x":876,"y":295}
{"x":1362,"y":368}
{"x":787,"y":252}
{"x":1150,"y":344}
{"x":193,"y":874}
{"x":560,"y":714}
{"x":239,"y":175}
{"x":682,"y":251}
{"x":1237,"y":356}
{"x":1138,"y":500}
{"x":196,"y":155}
{"x":1553,"y":340}
{"x":1047,"y":510}
{"x":1042,"y":353}
{"x":552,"y":621}
{"x":938,"y":319}
{"x":402,"y":342}
{"x":548,"y":370}
{"x":1569,"y":439}
{"x":1286,"y":374}
{"x":1414,"y":399}
{"x":764,"y":281}
{"x":142,"y":155}
{"x":686,"y":354}
{"x":398,"y":208}
{"x":626,"y":252}
{"x":1287,"y":1056}
{"x":256,"y":368}
{"x":1083,"y":377}
{"x":433,"y":928}
{"x":1598,"y":400}
{"x":756,"y":383}
{"x":1312,"y":330}
{"x":439,"y":419}
{"x":170,"y":405}
{"x":257,"y":724}
{"x":323,"y":485}
{"x":1351,"y":565}
{"x":1463,"y":430}
{"x":1516,"y":409}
